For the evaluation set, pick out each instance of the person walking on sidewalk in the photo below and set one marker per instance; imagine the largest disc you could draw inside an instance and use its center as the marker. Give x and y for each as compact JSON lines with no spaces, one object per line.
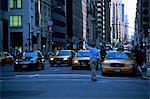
{"x":94,"y":55}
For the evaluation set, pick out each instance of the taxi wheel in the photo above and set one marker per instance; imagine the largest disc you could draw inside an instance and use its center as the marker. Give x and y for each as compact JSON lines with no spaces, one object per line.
{"x":40,"y":68}
{"x":70,"y":64}
{"x":103,"y":73}
{"x":74,"y":68}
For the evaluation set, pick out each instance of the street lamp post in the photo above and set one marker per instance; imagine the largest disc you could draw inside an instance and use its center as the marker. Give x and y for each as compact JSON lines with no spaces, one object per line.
{"x":50,"y":25}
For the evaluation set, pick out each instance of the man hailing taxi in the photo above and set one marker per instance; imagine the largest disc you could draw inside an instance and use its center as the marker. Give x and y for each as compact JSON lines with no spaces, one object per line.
{"x":94,"y":56}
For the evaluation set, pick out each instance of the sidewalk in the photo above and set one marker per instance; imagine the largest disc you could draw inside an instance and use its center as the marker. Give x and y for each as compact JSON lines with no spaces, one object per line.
{"x":145,"y":71}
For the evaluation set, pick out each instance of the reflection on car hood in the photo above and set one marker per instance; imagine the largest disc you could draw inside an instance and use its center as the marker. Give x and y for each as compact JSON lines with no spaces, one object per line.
{"x":119,"y":61}
{"x":61,"y":56}
{"x":82,"y":58}
{"x":25,"y":61}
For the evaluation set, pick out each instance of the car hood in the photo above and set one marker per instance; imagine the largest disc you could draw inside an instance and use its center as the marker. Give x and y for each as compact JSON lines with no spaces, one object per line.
{"x":119,"y":61}
{"x":25,"y":61}
{"x":82,"y":58}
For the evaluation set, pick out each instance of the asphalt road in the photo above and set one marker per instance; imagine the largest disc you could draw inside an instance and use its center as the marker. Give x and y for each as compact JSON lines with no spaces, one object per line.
{"x":64,"y":83}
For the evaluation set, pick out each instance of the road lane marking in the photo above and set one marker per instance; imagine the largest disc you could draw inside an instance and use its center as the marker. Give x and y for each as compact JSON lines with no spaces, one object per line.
{"x":71,"y":77}
{"x":78,"y":80}
{"x":55,"y":70}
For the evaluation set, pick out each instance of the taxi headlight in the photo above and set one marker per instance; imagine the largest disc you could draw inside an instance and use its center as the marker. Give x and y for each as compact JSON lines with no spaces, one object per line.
{"x":75,"y":61}
{"x":106,"y":64}
{"x":42,"y":60}
{"x":65,"y":58}
{"x":17,"y":62}
{"x":51,"y":59}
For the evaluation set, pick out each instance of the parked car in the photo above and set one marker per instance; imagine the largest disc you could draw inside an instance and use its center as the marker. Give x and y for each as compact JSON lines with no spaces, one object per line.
{"x":119,"y":62}
{"x":30,"y":59}
{"x":6,"y":58}
{"x":82,"y":60}
{"x":62,"y":57}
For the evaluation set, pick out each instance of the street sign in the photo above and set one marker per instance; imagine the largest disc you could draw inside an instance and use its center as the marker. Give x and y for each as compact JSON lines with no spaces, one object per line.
{"x":50,"y":25}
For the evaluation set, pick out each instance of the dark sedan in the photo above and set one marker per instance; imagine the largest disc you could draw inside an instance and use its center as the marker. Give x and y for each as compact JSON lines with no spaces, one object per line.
{"x":31,"y":59}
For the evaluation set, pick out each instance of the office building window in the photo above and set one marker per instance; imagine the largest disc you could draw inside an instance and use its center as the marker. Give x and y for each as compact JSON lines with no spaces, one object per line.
{"x":15,"y":21}
{"x":11,"y":4}
{"x":15,"y":4}
{"x":19,"y":3}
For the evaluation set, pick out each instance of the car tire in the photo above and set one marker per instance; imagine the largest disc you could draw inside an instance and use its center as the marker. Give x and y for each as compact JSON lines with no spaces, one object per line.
{"x":52,"y":65}
{"x":40,"y":68}
{"x":74,"y":68}
{"x":69,"y":64}
{"x":103,"y":73}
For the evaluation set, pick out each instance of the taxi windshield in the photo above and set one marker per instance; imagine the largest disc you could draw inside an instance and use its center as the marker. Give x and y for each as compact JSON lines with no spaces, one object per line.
{"x":83,"y":54}
{"x":117,"y":55}
{"x":64,"y":53}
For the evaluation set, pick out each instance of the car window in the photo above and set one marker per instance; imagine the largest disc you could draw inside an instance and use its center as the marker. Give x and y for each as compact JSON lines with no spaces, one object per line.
{"x":83,"y":54}
{"x":31,"y":54}
{"x":39,"y":54}
{"x":64,"y":53}
{"x":130,"y":56}
{"x":117,"y":55}
{"x":6,"y":54}
{"x":1,"y":55}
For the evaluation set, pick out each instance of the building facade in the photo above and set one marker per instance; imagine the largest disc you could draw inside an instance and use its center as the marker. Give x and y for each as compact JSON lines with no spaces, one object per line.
{"x":91,"y":21}
{"x":117,"y":20}
{"x":100,"y":21}
{"x":19,"y":24}
{"x":142,"y":28}
{"x":107,"y":36}
{"x":4,"y":25}
{"x":29,"y":24}
{"x":59,"y":34}
{"x":76,"y":22}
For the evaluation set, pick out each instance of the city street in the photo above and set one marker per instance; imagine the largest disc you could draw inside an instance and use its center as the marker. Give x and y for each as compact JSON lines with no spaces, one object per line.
{"x":65,"y":83}
{"x":75,"y":49}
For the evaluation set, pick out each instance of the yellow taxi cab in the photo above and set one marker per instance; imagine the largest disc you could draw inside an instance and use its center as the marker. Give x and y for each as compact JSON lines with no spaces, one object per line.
{"x":119,"y":62}
{"x":82,"y":60}
{"x":62,"y":57}
{"x":6,"y":58}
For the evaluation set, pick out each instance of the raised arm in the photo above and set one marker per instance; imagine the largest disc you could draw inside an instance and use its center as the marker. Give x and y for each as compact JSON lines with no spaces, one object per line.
{"x":88,"y":47}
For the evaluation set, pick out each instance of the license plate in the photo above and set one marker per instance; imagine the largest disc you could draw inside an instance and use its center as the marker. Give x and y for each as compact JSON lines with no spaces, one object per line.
{"x":116,"y":70}
{"x":83,"y":64}
{"x":24,"y":66}
{"x":58,"y":62}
